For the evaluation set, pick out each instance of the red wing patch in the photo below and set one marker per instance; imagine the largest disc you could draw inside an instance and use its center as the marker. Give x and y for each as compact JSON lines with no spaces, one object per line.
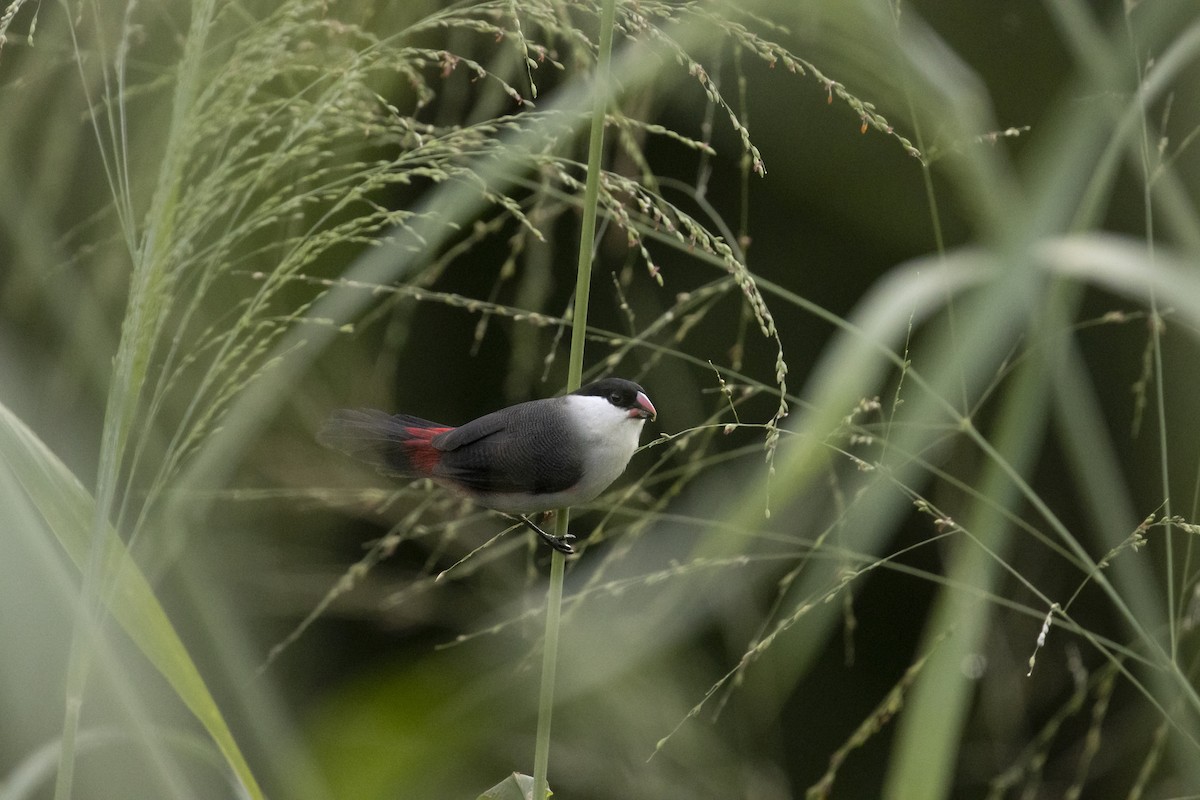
{"x":421,"y":453}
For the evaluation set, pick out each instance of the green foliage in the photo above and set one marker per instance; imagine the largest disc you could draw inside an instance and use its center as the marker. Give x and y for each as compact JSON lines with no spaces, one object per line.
{"x":35,"y":475}
{"x":892,"y":523}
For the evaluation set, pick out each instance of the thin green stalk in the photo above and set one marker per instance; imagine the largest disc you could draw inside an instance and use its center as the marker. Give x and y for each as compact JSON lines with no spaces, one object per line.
{"x":130,"y":365}
{"x":583,"y":281}
{"x":541,"y":754}
{"x":935,"y":217}
{"x":1143,"y":152}
{"x":591,"y":194}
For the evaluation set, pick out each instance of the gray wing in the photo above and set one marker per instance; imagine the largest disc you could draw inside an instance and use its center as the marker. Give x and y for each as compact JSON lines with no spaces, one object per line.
{"x":523,"y":448}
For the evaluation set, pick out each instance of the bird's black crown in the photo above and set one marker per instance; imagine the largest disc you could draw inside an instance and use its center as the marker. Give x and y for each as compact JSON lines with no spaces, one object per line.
{"x":618,"y":391}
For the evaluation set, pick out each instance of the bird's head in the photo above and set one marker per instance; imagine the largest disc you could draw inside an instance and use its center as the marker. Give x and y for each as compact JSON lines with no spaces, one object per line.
{"x":622,"y":394}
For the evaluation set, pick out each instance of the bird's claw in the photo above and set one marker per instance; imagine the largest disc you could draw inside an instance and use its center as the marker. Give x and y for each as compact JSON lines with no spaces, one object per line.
{"x":559,"y":543}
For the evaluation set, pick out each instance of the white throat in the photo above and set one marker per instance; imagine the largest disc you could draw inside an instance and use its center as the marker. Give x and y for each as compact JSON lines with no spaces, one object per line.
{"x":609,"y":438}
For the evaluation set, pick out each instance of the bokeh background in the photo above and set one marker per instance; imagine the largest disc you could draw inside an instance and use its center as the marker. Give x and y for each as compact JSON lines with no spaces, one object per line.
{"x":957,"y":243}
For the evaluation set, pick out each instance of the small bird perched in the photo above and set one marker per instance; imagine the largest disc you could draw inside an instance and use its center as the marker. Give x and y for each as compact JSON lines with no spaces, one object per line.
{"x":531,"y":457}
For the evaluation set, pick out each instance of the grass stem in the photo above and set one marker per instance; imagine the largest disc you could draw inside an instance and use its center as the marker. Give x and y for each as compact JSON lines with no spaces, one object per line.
{"x":583,"y":281}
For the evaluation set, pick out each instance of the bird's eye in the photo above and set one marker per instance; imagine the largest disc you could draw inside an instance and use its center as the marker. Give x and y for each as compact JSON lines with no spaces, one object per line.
{"x":614,"y":398}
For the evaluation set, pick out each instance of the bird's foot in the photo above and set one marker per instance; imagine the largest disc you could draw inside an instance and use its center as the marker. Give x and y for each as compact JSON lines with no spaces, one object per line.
{"x":559,"y":543}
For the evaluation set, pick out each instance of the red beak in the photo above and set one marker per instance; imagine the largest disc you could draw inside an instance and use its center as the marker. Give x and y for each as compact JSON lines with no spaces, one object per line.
{"x":645,"y":409}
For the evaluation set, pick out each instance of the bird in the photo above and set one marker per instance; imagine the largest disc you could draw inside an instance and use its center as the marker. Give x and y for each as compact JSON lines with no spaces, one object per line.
{"x":524,"y":459}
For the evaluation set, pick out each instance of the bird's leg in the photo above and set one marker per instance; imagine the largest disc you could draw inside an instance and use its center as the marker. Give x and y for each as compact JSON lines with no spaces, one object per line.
{"x":558,"y":543}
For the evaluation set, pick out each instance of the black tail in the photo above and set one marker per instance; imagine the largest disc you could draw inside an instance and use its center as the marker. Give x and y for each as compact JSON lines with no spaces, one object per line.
{"x":397,"y":444}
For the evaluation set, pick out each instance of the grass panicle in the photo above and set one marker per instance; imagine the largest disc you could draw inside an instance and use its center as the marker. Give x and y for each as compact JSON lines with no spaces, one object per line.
{"x":941,"y":347}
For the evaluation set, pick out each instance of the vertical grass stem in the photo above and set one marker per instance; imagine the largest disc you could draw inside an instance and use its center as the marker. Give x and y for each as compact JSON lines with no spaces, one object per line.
{"x":139,"y":328}
{"x":541,"y":760}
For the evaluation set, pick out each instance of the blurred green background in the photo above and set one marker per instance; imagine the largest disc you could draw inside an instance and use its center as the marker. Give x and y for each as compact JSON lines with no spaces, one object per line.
{"x":969,"y":271}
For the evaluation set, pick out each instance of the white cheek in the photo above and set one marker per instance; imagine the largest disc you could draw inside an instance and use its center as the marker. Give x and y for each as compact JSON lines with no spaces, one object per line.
{"x":597,"y":419}
{"x":610,"y":437}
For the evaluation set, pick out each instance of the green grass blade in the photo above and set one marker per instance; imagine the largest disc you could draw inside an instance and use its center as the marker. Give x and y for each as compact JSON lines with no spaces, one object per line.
{"x":931,"y":730}
{"x":67,"y":509}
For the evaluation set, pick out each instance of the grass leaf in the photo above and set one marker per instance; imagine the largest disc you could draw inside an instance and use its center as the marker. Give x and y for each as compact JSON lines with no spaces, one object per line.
{"x":67,"y":508}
